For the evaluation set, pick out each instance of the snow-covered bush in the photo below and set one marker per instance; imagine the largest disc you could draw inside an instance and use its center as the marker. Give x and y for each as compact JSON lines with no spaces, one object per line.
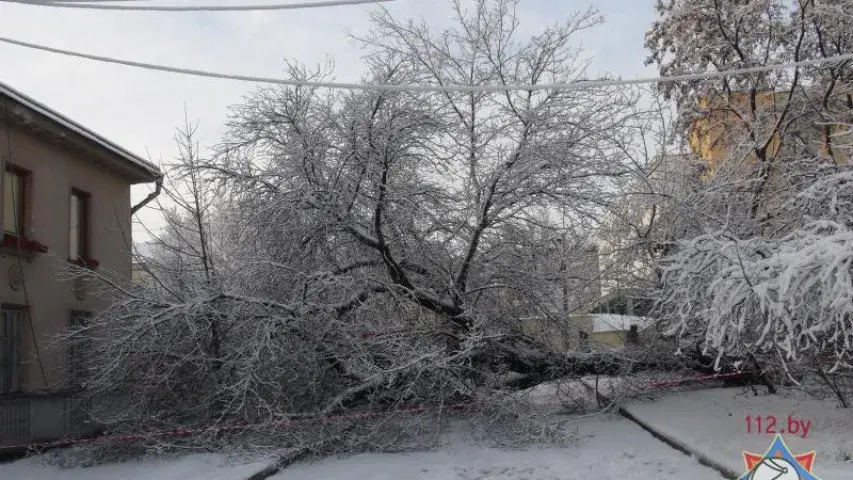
{"x":791,"y":297}
{"x":787,"y":300}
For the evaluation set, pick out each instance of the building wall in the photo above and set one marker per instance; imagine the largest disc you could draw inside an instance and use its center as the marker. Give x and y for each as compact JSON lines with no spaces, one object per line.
{"x":584,"y":283}
{"x":608,"y":339}
{"x":576,"y":279}
{"x":50,"y":298}
{"x":557,"y":335}
{"x":712,"y":136}
{"x":565,"y":336}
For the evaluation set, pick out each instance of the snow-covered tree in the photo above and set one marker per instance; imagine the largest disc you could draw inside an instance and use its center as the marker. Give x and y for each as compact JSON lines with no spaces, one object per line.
{"x":359,"y":252}
{"x":412,"y":191}
{"x":783,"y":300}
{"x":642,"y":217}
{"x":756,"y":278}
{"x":768,"y":117}
{"x":182,"y":256}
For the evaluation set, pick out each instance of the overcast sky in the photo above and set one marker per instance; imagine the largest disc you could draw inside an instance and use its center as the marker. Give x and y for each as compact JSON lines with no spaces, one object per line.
{"x":140,"y":109}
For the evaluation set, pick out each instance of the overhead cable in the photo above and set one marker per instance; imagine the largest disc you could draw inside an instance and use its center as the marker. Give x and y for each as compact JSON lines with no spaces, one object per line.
{"x":92,"y":5}
{"x":40,"y":2}
{"x":577,"y":85}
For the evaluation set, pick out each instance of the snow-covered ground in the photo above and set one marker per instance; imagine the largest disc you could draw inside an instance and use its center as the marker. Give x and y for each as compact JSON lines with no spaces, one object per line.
{"x":189,"y":467}
{"x":568,"y":396}
{"x":713,"y":422}
{"x":609,"y":448}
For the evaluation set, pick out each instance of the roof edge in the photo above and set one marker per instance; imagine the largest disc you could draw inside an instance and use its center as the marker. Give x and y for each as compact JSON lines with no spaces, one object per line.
{"x":30,"y":103}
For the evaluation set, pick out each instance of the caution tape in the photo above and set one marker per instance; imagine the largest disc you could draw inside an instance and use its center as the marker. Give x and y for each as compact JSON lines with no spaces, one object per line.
{"x":301,"y":419}
{"x":185,"y":432}
{"x":719,"y":376}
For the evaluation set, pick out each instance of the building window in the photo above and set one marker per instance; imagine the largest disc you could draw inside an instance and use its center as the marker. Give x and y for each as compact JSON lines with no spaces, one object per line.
{"x":14,"y":200}
{"x":11,"y":321}
{"x":79,"y":226}
{"x":76,"y":350}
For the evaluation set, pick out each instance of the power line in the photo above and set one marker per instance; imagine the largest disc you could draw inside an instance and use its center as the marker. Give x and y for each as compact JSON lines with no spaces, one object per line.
{"x":38,"y":2}
{"x":578,"y":85}
{"x":85,"y":3}
{"x":92,"y":5}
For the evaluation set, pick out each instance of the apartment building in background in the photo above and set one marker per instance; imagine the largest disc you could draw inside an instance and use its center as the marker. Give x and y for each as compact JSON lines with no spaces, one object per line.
{"x":576,"y":287}
{"x":722,"y":128}
{"x":66,"y":198}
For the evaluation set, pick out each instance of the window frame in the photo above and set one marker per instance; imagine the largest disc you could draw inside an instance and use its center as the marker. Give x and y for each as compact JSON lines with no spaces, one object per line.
{"x":11,"y":363}
{"x":83,"y":218}
{"x":21,"y":222}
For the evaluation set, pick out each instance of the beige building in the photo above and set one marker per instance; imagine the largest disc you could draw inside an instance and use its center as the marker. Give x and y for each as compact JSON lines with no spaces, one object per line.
{"x":65,"y":198}
{"x":590,"y":332}
{"x":722,"y":129}
{"x":604,"y":330}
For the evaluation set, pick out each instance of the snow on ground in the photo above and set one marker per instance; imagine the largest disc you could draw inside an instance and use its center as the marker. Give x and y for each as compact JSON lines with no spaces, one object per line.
{"x":609,"y":448}
{"x":709,"y":421}
{"x":646,"y":384}
{"x":559,"y":396}
{"x":571,"y":396}
{"x":189,"y":467}
{"x":713,"y":422}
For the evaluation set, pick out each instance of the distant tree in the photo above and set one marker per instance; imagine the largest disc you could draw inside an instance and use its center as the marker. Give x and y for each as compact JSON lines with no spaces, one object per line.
{"x":772,"y":115}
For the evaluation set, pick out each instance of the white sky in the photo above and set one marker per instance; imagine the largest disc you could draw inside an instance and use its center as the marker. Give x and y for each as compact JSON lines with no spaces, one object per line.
{"x":140,"y":109}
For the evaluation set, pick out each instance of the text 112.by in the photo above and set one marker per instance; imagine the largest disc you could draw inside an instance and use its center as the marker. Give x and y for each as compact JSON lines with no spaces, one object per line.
{"x":770,"y":424}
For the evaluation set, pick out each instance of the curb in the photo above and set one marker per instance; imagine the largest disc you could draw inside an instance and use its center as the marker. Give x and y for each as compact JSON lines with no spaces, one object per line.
{"x":280,"y":464}
{"x":726,"y":472}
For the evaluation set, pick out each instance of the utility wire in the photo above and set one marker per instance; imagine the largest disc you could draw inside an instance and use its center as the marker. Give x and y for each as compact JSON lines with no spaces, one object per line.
{"x":91,"y":5}
{"x":19,"y":234}
{"x":578,"y":85}
{"x":40,"y":2}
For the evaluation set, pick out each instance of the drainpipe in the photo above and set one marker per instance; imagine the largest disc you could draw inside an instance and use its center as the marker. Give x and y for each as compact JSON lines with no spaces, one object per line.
{"x":151,"y":196}
{"x":3,"y":161}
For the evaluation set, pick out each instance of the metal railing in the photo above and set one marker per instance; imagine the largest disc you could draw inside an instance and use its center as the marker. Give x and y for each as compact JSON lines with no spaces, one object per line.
{"x":38,"y":417}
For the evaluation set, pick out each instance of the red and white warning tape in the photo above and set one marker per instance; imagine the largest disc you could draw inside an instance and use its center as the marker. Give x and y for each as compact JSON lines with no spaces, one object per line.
{"x":707,"y":378}
{"x":184,"y":432}
{"x":296,"y":420}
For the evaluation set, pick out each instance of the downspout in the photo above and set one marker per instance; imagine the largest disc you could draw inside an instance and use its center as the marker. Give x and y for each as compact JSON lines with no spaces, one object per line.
{"x":3,"y":161}
{"x":158,"y":186}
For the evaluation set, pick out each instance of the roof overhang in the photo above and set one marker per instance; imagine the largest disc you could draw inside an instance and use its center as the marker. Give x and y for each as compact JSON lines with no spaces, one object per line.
{"x":28,"y":114}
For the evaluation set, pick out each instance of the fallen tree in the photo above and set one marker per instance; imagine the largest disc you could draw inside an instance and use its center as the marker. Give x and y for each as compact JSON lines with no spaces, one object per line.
{"x":370,"y":251}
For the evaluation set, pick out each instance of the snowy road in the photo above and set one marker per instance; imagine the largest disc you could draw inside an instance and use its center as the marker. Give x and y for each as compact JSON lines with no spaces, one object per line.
{"x":610,"y":448}
{"x":187,"y":467}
